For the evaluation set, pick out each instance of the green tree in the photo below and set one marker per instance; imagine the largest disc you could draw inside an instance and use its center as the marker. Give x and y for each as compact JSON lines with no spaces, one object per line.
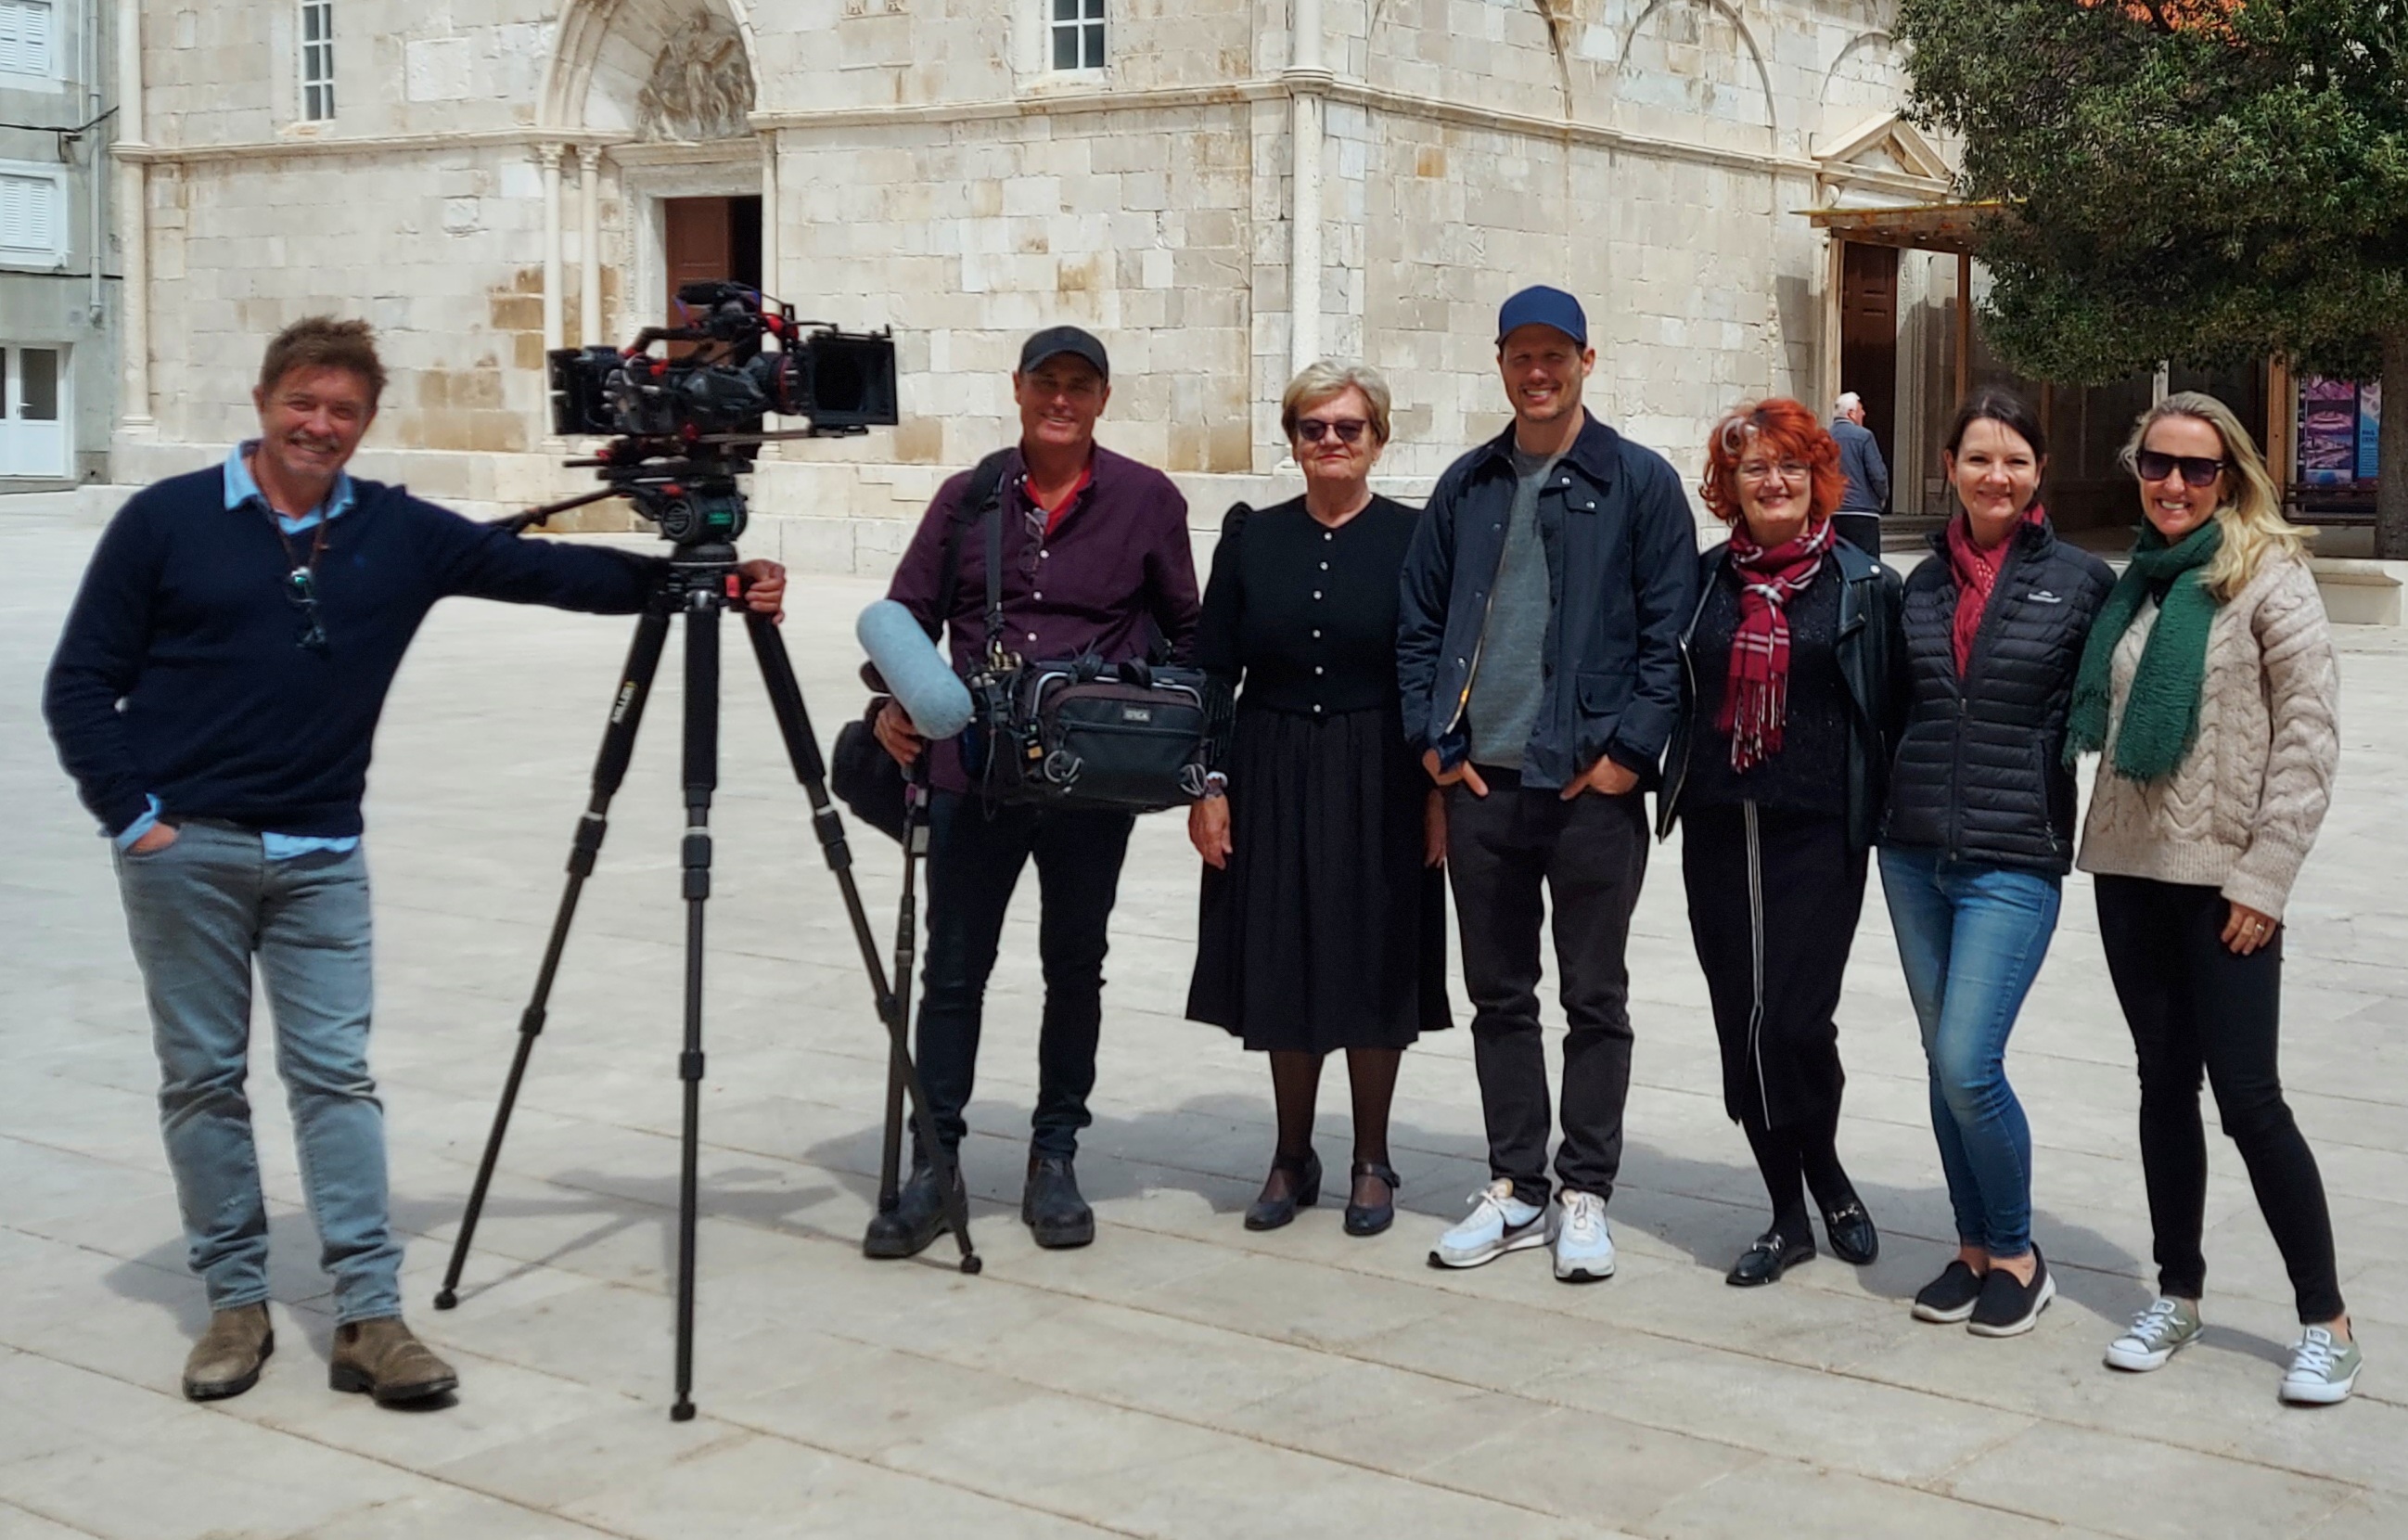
{"x":2203,"y":179}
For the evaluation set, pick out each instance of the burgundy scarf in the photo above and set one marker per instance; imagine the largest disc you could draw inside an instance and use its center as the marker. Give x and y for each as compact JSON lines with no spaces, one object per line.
{"x":1755,"y":694}
{"x":1977,"y":572}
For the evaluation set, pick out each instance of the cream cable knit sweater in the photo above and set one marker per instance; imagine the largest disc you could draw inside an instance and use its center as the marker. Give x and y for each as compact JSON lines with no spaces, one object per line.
{"x":2240,"y":810}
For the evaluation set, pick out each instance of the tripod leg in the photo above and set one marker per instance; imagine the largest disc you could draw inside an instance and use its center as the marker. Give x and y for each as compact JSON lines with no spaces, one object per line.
{"x":803,"y":749}
{"x":907,"y":937}
{"x":610,"y":769}
{"x":701,"y":777}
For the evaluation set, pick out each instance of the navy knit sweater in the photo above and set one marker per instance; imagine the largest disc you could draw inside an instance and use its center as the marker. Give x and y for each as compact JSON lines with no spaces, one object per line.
{"x":180,"y":675}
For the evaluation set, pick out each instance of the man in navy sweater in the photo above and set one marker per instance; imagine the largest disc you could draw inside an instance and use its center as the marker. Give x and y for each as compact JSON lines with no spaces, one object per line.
{"x":214,"y":697}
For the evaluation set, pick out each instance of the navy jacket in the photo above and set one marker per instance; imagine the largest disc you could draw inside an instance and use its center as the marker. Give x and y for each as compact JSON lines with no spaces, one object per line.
{"x":180,"y":675}
{"x":1860,"y":457}
{"x":1622,"y":578}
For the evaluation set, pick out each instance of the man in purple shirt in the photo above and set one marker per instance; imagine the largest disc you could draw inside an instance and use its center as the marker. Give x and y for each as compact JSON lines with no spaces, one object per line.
{"x":1095,"y":560}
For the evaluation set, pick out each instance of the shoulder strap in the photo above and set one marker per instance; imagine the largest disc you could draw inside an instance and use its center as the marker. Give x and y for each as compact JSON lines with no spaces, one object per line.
{"x":993,"y":515}
{"x":986,"y":483}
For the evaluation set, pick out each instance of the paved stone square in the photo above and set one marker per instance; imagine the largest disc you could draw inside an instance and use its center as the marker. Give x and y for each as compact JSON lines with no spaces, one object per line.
{"x":1181,"y":1378}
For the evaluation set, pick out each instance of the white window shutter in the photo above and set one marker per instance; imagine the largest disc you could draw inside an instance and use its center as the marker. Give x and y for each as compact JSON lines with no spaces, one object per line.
{"x":25,"y":37}
{"x":28,"y":216}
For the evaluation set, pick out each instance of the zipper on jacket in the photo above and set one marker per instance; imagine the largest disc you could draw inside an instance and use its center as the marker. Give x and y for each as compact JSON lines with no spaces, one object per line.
{"x":1480,"y":643}
{"x":1973,"y":657}
{"x":1755,"y":956}
{"x":1677,"y":776}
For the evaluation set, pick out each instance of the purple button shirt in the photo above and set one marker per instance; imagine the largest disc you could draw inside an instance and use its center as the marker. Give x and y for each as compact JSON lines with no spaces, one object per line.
{"x":1118,"y":559}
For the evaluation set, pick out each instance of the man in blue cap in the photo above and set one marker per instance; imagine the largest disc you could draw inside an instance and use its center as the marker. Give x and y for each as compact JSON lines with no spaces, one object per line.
{"x":1539,"y":657}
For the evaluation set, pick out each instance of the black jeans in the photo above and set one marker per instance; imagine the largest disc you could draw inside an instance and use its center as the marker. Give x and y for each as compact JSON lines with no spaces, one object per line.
{"x":2193,"y":1004}
{"x":1591,"y":854}
{"x":974,"y":863}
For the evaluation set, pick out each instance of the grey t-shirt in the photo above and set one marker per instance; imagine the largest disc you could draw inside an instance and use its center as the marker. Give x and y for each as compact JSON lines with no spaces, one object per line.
{"x":1507,"y":682}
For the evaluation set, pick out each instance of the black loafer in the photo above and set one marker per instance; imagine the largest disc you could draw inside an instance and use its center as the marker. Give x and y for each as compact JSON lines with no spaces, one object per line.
{"x":1371,"y":1218}
{"x":1764,"y":1263}
{"x":1051,"y":1206}
{"x":1853,"y":1238}
{"x":1303,"y":1191}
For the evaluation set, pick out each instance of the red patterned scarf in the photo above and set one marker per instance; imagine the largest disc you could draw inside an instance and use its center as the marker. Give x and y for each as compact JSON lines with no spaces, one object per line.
{"x":1755,"y":694}
{"x":1977,"y":573}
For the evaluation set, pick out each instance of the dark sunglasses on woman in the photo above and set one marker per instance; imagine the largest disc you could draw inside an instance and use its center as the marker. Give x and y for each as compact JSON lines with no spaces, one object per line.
{"x":1313,"y":429}
{"x":2197,"y":469}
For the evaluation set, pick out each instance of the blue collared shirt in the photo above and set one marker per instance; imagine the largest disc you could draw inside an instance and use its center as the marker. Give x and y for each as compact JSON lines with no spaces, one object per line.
{"x":242,"y":491}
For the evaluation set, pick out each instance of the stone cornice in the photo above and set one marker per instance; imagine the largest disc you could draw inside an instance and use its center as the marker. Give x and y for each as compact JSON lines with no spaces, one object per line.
{"x":1354,"y":92}
{"x":365,"y":144}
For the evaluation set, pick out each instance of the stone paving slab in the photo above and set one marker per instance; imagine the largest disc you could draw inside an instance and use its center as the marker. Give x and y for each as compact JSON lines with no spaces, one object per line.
{"x":1181,"y":1379}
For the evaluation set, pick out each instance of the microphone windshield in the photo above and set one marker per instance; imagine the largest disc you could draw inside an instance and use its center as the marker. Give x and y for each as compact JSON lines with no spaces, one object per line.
{"x":921,"y":678}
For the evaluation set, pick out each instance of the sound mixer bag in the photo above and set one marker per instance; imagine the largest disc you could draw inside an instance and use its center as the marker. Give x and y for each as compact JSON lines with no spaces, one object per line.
{"x":1082,"y":733}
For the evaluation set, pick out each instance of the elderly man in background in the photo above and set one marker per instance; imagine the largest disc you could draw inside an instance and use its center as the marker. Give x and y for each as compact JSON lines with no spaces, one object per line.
{"x":1858,"y":520}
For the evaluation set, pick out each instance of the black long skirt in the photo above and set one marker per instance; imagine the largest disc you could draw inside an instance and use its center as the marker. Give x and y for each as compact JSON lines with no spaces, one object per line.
{"x":1324,"y":930}
{"x":1773,"y":899}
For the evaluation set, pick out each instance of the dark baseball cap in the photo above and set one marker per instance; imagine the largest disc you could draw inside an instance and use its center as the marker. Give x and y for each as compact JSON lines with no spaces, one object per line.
{"x":1540,"y":305}
{"x":1054,"y":341}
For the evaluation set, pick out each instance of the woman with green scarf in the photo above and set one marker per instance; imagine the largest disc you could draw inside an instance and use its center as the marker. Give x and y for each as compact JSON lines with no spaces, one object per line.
{"x":2209,"y":690}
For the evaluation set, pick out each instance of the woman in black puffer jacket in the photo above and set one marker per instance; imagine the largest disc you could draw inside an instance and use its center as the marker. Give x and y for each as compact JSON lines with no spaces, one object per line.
{"x":1979,"y":833}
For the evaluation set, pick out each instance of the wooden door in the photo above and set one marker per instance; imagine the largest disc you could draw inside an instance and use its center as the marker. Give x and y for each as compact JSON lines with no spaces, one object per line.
{"x":709,"y":238}
{"x":1869,"y":340}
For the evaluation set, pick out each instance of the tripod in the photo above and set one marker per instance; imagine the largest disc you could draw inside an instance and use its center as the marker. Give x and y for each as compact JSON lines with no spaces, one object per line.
{"x":697,"y":586}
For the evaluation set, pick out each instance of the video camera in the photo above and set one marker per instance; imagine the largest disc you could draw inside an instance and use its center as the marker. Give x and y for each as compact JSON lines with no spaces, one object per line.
{"x":686,"y":420}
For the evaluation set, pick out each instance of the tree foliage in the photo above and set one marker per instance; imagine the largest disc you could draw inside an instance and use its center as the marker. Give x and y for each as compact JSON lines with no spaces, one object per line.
{"x":2203,"y":179}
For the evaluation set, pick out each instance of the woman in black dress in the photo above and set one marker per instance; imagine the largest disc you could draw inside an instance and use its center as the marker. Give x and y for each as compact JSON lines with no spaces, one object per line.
{"x":1324,"y":923}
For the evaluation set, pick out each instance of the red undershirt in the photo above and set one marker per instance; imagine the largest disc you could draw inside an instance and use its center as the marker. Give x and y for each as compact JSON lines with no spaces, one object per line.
{"x":1054,"y":514}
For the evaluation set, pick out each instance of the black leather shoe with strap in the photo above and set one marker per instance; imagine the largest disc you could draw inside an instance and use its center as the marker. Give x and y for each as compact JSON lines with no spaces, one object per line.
{"x":1303,"y":1190}
{"x":1371,"y":1218}
{"x":1773,"y":1254}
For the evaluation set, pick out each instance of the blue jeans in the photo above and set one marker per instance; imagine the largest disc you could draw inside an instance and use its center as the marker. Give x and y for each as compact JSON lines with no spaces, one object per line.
{"x":198,"y":911}
{"x":1971,"y":938}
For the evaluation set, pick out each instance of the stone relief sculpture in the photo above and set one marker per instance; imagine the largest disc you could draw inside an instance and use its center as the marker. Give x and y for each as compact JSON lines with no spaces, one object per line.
{"x":701,"y":86}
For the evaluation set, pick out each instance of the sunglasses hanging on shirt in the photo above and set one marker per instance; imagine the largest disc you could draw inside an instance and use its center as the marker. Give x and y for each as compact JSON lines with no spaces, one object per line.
{"x":301,"y":584}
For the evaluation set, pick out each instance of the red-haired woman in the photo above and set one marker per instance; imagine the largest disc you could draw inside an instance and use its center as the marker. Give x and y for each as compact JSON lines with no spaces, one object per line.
{"x":1776,"y":771}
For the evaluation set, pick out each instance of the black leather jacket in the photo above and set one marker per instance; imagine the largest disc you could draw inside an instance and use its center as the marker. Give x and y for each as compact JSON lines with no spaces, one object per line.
{"x":1871,"y":657}
{"x":1980,"y":773}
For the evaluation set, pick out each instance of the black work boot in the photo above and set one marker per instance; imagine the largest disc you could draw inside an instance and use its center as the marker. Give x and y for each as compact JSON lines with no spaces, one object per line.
{"x":1051,"y":1206}
{"x":916,"y":1221}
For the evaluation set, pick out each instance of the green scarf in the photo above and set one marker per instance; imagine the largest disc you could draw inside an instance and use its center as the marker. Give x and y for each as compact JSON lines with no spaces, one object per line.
{"x":2160,"y":719}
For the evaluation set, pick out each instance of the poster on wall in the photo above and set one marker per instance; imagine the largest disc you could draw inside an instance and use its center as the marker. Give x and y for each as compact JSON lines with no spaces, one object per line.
{"x":2369,"y":428}
{"x":2329,"y":431}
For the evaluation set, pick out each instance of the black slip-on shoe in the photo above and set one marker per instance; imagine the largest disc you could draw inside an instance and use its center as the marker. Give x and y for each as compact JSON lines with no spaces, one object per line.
{"x":1764,"y":1263}
{"x":1950,"y":1297}
{"x":1853,"y":1238}
{"x":1371,"y":1218}
{"x":2010,"y":1308}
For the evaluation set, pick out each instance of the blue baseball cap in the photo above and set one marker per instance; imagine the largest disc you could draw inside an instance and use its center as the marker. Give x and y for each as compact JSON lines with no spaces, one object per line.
{"x":1540,"y":305}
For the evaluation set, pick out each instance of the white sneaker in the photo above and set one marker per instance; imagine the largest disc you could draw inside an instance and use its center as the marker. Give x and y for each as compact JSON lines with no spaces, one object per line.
{"x":1582,"y":1239}
{"x":2323,"y":1370}
{"x":1499,"y":1223}
{"x":2155,"y":1334}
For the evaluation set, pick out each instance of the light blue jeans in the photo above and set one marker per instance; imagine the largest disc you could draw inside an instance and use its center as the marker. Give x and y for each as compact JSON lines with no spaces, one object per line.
{"x":198,"y":911}
{"x":1972,"y":938}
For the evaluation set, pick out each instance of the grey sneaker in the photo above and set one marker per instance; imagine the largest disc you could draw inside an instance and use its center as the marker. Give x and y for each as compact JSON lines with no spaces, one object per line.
{"x":1583,"y":1241}
{"x":2158,"y":1333}
{"x":2323,"y":1370}
{"x":1499,"y":1223}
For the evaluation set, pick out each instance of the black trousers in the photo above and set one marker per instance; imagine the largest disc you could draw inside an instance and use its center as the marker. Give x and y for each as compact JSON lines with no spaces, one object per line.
{"x":2194,"y":1005}
{"x":1774,"y":901}
{"x":974,"y":863}
{"x":1589,"y":854}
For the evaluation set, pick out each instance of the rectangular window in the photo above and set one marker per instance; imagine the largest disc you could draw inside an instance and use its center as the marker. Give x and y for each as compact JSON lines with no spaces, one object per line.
{"x":1078,"y":33}
{"x":25,"y":37}
{"x":317,"y":60}
{"x":29,"y":217}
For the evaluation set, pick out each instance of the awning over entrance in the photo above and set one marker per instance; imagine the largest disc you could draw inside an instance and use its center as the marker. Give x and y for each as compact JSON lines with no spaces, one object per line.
{"x":1915,"y":227}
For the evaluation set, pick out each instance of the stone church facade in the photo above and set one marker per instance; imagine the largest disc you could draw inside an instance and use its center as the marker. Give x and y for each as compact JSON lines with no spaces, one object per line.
{"x":1223,"y":189}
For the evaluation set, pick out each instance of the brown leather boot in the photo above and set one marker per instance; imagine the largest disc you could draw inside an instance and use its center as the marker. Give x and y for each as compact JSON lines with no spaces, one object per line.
{"x":387,"y":1360}
{"x":225,"y":1361}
